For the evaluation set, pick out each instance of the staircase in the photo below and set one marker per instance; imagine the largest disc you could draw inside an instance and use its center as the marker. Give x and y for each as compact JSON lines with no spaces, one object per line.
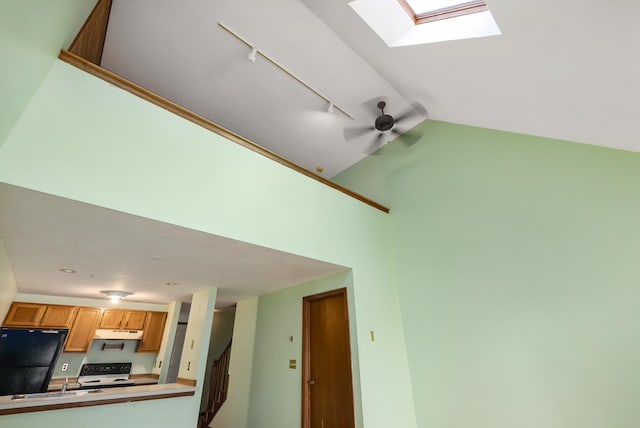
{"x":219,"y":383}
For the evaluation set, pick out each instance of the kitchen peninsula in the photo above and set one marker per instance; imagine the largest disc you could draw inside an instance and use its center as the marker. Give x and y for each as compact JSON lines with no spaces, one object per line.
{"x":42,"y":402}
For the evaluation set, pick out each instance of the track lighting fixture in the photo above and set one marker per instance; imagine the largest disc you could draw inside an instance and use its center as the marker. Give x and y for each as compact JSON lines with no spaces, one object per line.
{"x":252,"y":57}
{"x":330,"y":108}
{"x":252,"y":54}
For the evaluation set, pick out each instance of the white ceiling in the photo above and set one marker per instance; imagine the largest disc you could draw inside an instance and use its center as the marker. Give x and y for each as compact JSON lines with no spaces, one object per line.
{"x":111,"y":250}
{"x":565,"y":70}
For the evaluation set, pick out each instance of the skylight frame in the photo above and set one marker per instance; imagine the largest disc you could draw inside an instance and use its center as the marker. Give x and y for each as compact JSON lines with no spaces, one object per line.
{"x":391,"y":22}
{"x":454,"y":11}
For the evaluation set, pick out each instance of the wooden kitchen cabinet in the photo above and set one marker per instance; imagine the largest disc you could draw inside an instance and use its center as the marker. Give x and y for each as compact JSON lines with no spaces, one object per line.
{"x":24,"y":315}
{"x":82,"y":330}
{"x":58,"y":316}
{"x":152,"y":332}
{"x":134,"y":320}
{"x":111,"y":319}
{"x":114,"y":319}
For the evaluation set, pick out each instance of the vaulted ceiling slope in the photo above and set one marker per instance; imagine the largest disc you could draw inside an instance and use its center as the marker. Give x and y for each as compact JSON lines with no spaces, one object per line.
{"x":564,"y":70}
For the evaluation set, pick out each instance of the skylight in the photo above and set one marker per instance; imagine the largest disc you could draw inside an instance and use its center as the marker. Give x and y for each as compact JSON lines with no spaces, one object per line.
{"x":413,"y":22}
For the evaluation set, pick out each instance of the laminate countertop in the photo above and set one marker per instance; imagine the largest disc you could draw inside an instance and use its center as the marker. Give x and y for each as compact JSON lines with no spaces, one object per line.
{"x":72,"y":385}
{"x":91,"y":397}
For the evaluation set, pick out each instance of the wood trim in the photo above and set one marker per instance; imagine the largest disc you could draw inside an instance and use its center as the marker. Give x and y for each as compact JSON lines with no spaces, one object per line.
{"x":94,"y":403}
{"x":306,"y":369}
{"x":144,"y":376}
{"x":184,"y":381}
{"x":89,"y":42}
{"x":461,"y":9}
{"x":186,"y":114}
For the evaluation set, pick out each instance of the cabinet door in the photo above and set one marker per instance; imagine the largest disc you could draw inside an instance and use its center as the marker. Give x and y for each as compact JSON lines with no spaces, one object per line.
{"x":82,"y":330}
{"x":134,"y":320}
{"x":111,"y":319}
{"x":24,"y":315}
{"x":58,"y":316}
{"x":152,"y":334}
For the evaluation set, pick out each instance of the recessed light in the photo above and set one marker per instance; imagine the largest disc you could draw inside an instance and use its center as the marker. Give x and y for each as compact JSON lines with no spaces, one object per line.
{"x":68,"y":270}
{"x":171,"y":284}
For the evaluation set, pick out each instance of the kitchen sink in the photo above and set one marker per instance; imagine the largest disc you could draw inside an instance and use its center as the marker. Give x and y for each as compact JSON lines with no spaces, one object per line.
{"x":54,"y":394}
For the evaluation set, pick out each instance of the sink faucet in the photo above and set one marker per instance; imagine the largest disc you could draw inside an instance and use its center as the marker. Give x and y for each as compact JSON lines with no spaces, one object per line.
{"x":65,"y":385}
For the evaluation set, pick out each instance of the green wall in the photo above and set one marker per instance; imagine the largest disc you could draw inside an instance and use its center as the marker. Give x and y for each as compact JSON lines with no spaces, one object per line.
{"x":8,"y":288}
{"x":279,"y":318}
{"x":31,"y":35}
{"x":518,"y":275}
{"x":84,"y":139}
{"x":235,"y":411}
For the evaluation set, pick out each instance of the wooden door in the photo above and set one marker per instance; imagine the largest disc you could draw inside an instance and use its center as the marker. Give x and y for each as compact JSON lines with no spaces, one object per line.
{"x":327,"y":390}
{"x":82,"y":331}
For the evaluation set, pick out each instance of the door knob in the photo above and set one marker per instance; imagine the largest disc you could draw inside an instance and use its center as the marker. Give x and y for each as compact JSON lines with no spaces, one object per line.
{"x":312,"y":382}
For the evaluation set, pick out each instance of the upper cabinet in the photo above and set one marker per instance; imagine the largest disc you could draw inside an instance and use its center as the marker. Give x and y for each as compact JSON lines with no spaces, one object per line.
{"x":152,"y":332}
{"x":115,"y":319}
{"x":58,"y":316}
{"x":83,"y":321}
{"x":38,"y":315}
{"x":134,"y":320}
{"x":82,"y":330}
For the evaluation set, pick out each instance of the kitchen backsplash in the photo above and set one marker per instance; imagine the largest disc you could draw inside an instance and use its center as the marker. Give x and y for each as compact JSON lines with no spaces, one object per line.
{"x":141,"y":362}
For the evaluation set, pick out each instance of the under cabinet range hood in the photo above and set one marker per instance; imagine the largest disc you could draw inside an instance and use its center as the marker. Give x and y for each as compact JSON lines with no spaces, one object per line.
{"x":118,"y":334}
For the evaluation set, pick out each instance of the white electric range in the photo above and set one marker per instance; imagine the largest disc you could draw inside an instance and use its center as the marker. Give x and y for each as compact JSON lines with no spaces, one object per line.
{"x":104,"y":375}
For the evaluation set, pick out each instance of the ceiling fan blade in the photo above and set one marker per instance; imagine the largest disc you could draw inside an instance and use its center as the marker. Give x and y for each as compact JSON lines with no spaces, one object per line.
{"x":416,"y":109}
{"x":375,"y":144}
{"x":357,"y":131}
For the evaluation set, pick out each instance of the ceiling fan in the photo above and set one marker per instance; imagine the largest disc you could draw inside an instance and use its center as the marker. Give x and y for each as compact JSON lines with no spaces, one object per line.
{"x":385,"y":127}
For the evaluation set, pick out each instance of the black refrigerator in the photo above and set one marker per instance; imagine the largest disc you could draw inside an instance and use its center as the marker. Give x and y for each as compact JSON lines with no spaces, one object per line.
{"x":28,"y":358}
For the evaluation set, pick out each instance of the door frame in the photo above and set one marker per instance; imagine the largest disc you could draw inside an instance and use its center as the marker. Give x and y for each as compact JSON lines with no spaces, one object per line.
{"x":306,"y":349}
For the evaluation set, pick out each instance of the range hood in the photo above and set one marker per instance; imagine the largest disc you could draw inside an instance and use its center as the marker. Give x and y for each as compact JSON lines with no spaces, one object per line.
{"x":118,"y":334}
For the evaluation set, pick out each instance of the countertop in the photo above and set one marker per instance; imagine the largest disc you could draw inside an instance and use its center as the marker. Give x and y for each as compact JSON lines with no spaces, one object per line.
{"x":85,"y":398}
{"x":56,"y":384}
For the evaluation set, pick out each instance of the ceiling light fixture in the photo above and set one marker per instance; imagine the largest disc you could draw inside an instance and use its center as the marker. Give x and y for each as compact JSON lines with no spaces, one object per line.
{"x":171,"y":283}
{"x":116,"y":295}
{"x":68,"y":270}
{"x":252,"y":54}
{"x":255,"y":51}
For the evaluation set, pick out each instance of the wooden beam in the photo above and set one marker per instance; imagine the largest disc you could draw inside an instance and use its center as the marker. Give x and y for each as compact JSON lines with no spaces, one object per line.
{"x":186,"y":114}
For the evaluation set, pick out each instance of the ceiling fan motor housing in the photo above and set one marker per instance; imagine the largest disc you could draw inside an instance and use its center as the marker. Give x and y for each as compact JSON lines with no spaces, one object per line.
{"x":384,"y":122}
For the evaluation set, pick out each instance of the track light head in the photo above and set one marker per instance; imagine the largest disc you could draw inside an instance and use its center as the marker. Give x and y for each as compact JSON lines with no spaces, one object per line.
{"x":252,"y":54}
{"x":330,"y":107}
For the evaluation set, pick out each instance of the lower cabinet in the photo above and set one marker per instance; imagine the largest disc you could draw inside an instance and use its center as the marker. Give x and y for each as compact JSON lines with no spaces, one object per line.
{"x":82,"y":330}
